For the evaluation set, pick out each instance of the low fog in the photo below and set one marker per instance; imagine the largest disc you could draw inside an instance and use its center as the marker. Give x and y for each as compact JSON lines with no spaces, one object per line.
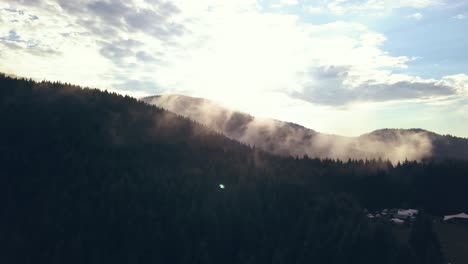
{"x":291,"y":139}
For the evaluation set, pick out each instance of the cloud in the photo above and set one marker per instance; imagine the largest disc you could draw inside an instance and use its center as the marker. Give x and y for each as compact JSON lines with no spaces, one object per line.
{"x":216,"y":48}
{"x":126,"y":32}
{"x":138,"y":86}
{"x":314,"y":9}
{"x":132,"y":35}
{"x":289,"y":139}
{"x":145,"y":57}
{"x":232,"y":51}
{"x":28,"y":2}
{"x":12,"y":36}
{"x":118,"y":51}
{"x":328,"y":86}
{"x":416,"y":16}
{"x":457,"y":81}
{"x":460,"y":16}
{"x":342,"y":7}
{"x":16,"y":42}
{"x":288,"y":2}
{"x":125,"y":16}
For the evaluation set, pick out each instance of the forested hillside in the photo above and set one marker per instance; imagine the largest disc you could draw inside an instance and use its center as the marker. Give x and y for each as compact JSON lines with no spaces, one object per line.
{"x":284,"y":138}
{"x":87,"y":176}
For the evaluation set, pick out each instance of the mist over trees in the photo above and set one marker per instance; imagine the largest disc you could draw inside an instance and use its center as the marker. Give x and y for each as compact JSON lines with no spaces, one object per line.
{"x":284,"y":138}
{"x":89,"y":176}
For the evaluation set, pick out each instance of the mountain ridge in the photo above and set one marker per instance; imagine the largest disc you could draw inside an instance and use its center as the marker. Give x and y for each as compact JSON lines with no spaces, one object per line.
{"x":287,"y":138}
{"x":89,"y":176}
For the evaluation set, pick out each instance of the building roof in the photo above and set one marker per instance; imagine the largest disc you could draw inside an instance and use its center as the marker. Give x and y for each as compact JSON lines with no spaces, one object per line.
{"x":459,"y":216}
{"x":397,"y":221}
{"x":409,"y":212}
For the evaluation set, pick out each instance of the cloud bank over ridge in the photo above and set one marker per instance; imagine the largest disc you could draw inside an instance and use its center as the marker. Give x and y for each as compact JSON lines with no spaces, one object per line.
{"x":231,"y":51}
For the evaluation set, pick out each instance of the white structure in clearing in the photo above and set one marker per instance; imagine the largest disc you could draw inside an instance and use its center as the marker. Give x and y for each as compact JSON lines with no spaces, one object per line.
{"x":405,"y":214}
{"x":397,"y":221}
{"x":456,"y":217}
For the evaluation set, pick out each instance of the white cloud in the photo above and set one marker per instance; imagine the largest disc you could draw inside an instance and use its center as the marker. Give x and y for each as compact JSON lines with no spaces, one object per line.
{"x":288,"y":2}
{"x":457,"y":81}
{"x":416,"y":16}
{"x":460,"y":16}
{"x":314,"y":9}
{"x":342,"y":7}
{"x":224,"y":50}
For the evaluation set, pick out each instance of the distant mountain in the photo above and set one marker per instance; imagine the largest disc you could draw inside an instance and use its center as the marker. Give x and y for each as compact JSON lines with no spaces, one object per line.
{"x":286,"y":138}
{"x":441,"y":146}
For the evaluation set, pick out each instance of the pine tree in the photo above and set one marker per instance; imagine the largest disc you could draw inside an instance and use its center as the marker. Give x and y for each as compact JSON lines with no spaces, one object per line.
{"x":424,"y":241}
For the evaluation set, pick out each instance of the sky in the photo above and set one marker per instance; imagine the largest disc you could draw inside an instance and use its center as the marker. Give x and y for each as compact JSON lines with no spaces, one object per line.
{"x":343,"y":67}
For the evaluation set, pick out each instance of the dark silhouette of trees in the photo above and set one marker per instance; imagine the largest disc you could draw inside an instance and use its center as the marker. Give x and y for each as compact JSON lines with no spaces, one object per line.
{"x":88,"y":176}
{"x":424,"y":242}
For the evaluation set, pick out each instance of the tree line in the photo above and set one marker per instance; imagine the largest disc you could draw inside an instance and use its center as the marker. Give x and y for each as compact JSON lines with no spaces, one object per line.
{"x":89,"y":176}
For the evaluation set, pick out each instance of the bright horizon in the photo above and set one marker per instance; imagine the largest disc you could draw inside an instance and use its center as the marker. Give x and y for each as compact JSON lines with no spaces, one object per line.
{"x":335,"y":66}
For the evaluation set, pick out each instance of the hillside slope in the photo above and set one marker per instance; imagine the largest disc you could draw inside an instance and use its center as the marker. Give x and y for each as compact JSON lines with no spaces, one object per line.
{"x":291,"y":139}
{"x":92,"y":177}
